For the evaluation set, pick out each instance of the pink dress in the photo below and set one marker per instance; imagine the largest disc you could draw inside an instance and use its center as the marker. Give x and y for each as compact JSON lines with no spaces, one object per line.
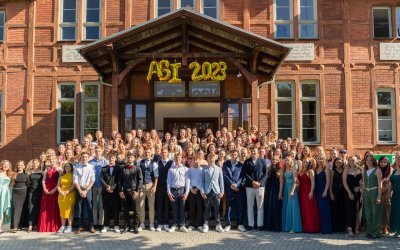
{"x":49,"y":216}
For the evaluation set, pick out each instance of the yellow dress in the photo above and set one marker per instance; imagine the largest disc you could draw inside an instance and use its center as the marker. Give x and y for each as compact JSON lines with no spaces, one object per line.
{"x":66,"y":204}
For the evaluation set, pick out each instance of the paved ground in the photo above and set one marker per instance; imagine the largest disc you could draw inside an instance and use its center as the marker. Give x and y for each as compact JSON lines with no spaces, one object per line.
{"x":193,"y":240}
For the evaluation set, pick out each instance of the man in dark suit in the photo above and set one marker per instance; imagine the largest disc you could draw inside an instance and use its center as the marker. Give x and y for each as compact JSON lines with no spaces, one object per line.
{"x":162,"y":199}
{"x":109,"y":179}
{"x":129,"y":183}
{"x":255,"y":174}
{"x":235,"y":192}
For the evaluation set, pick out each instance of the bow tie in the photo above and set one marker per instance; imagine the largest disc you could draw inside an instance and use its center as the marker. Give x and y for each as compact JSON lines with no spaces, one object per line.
{"x":129,"y":167}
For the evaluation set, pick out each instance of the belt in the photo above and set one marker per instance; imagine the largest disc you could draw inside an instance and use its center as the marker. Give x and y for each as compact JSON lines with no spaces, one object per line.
{"x":20,"y":188}
{"x":370,"y":189}
{"x":177,"y":188}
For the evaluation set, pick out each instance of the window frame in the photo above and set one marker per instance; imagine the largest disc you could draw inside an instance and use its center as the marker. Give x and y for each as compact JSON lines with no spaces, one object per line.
{"x":240,"y":103}
{"x":171,"y":7}
{"x":179,"y":4}
{"x":389,"y":11}
{"x":59,"y":99}
{"x":86,"y":24}
{"x":290,"y":21}
{"x":315,"y":21}
{"x":4,"y":28}
{"x":217,"y":2}
{"x":392,"y":107}
{"x":86,"y":99}
{"x":397,"y":21}
{"x":149,"y":114}
{"x":69,"y":24}
{"x":292,"y":99}
{"x":317,"y":111}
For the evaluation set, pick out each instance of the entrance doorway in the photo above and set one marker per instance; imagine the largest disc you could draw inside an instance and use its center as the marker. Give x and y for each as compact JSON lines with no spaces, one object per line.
{"x":200,"y":123}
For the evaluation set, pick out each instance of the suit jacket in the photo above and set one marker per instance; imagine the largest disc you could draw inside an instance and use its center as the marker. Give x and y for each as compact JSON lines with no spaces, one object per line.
{"x":232,"y":175}
{"x":108,"y":179}
{"x":212,"y":180}
{"x":130,"y":178}
{"x":255,"y":172}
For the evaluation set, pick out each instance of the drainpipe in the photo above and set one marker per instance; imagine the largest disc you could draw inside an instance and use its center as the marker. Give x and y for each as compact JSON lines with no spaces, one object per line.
{"x":258,"y":96}
{"x":104,"y":83}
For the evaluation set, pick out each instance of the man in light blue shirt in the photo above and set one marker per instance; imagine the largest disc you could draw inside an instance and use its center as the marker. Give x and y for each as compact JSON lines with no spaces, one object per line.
{"x":212,"y":190}
{"x":98,"y":162}
{"x":196,"y":203}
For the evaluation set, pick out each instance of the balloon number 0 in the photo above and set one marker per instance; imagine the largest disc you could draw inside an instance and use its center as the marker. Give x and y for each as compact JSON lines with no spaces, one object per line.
{"x":166,"y":71}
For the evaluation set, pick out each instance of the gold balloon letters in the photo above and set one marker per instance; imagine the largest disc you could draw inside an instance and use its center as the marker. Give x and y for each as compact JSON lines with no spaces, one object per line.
{"x":166,"y":71}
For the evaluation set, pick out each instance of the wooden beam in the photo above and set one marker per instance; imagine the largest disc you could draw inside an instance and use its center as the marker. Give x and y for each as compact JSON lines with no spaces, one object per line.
{"x":189,"y":55}
{"x":153,"y":43}
{"x":254,"y":56}
{"x":114,"y":92}
{"x":185,"y":43}
{"x":246,"y":73}
{"x":129,"y":68}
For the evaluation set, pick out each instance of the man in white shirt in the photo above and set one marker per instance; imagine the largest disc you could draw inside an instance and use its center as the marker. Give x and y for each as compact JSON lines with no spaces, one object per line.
{"x":83,"y":179}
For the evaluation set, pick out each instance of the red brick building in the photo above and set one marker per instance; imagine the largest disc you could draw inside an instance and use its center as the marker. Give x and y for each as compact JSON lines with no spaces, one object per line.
{"x":339,"y":87}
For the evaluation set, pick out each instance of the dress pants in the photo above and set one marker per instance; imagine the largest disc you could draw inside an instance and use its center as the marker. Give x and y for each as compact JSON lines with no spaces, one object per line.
{"x":35,"y":196}
{"x":163,"y":204}
{"x":258,"y":195}
{"x":98,"y":211}
{"x":85,"y":203}
{"x":196,"y":203}
{"x":111,"y":203}
{"x":141,"y":203}
{"x":234,"y":199}
{"x":130,"y":204}
{"x":212,"y":200}
{"x":178,"y":207}
{"x":373,"y":212}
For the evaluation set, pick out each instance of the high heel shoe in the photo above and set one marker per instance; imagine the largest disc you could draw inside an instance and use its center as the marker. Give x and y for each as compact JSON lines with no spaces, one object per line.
{"x":350,"y":232}
{"x":29,"y":229}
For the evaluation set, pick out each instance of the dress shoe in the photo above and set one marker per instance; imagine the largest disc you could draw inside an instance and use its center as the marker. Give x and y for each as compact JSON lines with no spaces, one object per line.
{"x":135,"y":231}
{"x":127,"y":229}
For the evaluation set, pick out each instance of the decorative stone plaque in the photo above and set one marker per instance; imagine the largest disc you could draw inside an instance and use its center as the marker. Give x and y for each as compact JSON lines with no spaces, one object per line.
{"x":301,"y":52}
{"x":389,"y":51}
{"x":70,"y":54}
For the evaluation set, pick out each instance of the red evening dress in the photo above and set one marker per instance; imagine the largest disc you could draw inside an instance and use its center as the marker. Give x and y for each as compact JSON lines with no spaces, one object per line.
{"x":49,"y":217}
{"x":308,"y":208}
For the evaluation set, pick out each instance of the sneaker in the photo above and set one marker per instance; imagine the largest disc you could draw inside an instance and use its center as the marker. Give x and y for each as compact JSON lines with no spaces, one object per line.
{"x":205,"y":229}
{"x":200,"y":228}
{"x":152,"y":228}
{"x":241,"y":228}
{"x":104,"y":230}
{"x":191,"y":228}
{"x":116,"y":229}
{"x":227,"y":228}
{"x":172,"y":229}
{"x":184,"y":229}
{"x":139,"y":229}
{"x":142,"y":226}
{"x":159,"y":228}
{"x":219,"y":228}
{"x":68,"y":230}
{"x":61,"y":230}
{"x":166,"y":227}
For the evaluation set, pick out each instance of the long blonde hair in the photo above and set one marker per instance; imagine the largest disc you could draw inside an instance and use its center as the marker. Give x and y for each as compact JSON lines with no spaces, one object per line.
{"x":9,"y":171}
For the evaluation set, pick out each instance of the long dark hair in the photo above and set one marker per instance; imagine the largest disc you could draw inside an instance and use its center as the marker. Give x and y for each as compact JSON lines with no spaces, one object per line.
{"x":70,"y":165}
{"x":386,"y":169}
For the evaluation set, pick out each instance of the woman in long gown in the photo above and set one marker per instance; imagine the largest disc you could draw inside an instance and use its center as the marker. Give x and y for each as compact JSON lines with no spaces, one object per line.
{"x":5,"y":192}
{"x":395,"y":200}
{"x":337,"y":193}
{"x":386,"y":170}
{"x":322,"y":178}
{"x":66,"y":198}
{"x":20,"y":189}
{"x":291,"y":220}
{"x":351,"y":181}
{"x":272,"y":204}
{"x":307,"y":198}
{"x":49,"y":216}
{"x":35,"y":192}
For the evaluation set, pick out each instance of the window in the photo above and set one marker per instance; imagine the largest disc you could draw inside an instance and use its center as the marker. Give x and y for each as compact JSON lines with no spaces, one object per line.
{"x":386,"y":117}
{"x":91,"y":24}
{"x":90,"y":108}
{"x":238,"y":115}
{"x":398,"y":21}
{"x":210,"y":8}
{"x":136,"y":116}
{"x":382,"y":23}
{"x":308,"y":19}
{"x":163,"y":7}
{"x":66,"y":112}
{"x":68,"y":19}
{"x":285,"y":109}
{"x":2,"y":22}
{"x":309,"y":112}
{"x":283,"y":18}
{"x":191,"y":4}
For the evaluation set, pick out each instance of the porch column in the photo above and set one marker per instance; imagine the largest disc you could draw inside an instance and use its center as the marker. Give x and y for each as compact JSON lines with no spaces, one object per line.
{"x":114,"y":102}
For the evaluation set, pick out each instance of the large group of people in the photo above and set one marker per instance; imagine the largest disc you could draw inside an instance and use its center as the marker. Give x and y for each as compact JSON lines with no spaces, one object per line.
{"x":248,"y":179}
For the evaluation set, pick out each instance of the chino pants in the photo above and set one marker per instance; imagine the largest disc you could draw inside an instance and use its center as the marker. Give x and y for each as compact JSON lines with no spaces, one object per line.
{"x":141,"y":203}
{"x":235,"y":199}
{"x":258,"y":195}
{"x":373,"y":212}
{"x":130,"y":204}
{"x":212,"y":200}
{"x":85,"y":203}
{"x":163,"y":204}
{"x":111,"y":203}
{"x":196,"y":203}
{"x":98,"y":211}
{"x":178,"y":207}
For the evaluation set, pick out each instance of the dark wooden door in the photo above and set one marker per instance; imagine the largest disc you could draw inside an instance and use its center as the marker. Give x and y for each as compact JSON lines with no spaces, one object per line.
{"x":200,"y":123}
